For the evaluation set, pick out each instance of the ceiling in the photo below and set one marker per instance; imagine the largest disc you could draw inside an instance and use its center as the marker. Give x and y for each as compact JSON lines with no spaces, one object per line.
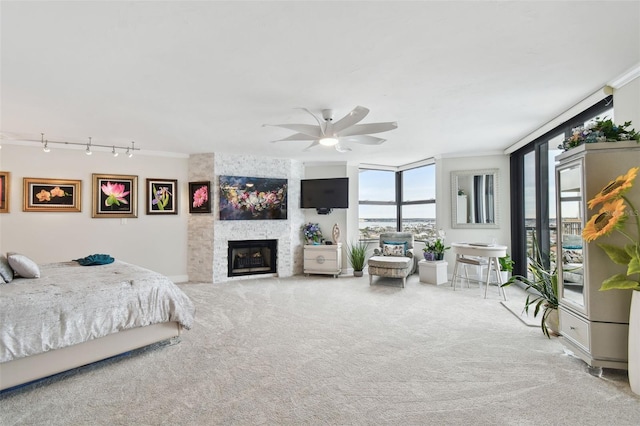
{"x":194,"y":77}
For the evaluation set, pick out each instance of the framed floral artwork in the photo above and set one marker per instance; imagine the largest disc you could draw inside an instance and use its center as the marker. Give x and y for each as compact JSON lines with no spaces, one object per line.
{"x":162,"y":196}
{"x":51,"y":195}
{"x":114,"y":196}
{"x":248,"y":198}
{"x":4,"y":192}
{"x":199,"y":197}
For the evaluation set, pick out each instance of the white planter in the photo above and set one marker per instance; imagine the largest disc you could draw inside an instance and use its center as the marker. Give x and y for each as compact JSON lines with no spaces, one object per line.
{"x":634,"y":343}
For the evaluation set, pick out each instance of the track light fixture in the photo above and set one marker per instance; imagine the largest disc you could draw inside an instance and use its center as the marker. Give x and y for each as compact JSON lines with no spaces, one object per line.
{"x":128,"y":149}
{"x":88,"y":150}
{"x":45,"y":148}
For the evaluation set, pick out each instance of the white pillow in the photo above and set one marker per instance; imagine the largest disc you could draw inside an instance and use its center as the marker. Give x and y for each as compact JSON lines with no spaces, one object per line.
{"x":6,"y":273}
{"x":23,"y":266}
{"x":393,"y":250}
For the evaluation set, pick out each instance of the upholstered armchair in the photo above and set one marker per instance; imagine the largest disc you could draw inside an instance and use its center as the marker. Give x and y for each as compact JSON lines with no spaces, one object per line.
{"x":394,"y":257}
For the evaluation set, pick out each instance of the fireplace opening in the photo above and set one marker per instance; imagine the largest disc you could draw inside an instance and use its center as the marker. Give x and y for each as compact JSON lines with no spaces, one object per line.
{"x":249,"y":257}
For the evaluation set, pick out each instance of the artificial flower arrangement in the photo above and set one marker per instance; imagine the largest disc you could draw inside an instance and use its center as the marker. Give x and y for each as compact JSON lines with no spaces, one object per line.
{"x":254,"y":201}
{"x":312,"y":233}
{"x":600,"y":131}
{"x":615,"y":211}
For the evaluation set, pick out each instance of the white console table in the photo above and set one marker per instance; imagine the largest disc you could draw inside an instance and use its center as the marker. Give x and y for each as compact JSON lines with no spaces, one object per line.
{"x":323,"y":259}
{"x":479,"y":254}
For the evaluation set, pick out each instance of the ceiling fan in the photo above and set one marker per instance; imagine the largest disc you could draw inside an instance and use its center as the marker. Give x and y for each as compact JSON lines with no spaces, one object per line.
{"x":343,"y":131}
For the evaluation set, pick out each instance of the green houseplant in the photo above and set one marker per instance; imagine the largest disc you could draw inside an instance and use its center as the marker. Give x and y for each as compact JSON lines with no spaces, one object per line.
{"x":357,"y":256}
{"x":506,"y":266}
{"x":436,"y":248}
{"x":542,"y":289}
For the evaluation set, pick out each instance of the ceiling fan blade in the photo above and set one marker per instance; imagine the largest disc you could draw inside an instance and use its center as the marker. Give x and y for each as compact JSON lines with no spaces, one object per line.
{"x":341,"y":148}
{"x":363,"y":139}
{"x":314,"y":143}
{"x":355,"y":116}
{"x":296,"y":137}
{"x":365,"y":129}
{"x":307,"y":129}
{"x":314,"y":116}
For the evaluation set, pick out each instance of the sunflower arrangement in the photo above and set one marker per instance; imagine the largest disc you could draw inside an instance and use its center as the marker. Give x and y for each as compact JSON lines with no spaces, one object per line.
{"x":615,"y":211}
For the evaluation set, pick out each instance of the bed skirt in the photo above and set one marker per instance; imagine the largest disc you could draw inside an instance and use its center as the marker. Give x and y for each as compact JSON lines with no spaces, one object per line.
{"x":28,"y":369}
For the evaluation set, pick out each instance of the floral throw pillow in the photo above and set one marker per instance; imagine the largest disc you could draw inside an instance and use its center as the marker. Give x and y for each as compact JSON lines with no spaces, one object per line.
{"x":393,"y":250}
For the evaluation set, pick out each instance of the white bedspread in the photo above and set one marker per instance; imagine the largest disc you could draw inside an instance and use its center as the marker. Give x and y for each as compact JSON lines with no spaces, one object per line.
{"x":71,"y":304}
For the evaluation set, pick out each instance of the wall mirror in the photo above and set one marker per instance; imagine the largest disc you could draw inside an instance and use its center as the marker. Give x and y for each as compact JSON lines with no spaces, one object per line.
{"x":474,"y":199}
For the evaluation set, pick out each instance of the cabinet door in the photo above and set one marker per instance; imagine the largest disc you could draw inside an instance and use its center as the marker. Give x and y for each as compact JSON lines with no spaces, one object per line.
{"x":570,"y":221}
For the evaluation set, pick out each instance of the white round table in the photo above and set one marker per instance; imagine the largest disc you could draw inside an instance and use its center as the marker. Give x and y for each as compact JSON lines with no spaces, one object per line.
{"x":478,"y":251}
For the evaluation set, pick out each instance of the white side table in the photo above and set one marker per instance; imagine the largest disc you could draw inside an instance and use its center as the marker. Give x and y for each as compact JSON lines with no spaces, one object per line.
{"x":323,"y":259}
{"x":433,"y":272}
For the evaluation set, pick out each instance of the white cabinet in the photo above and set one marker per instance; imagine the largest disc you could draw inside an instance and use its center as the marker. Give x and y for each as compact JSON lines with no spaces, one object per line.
{"x":594,"y":323}
{"x":323,"y":259}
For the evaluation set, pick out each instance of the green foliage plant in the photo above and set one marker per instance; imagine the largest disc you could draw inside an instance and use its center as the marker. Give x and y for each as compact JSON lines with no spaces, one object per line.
{"x":544,"y":283}
{"x":357,"y":254}
{"x":506,"y":263}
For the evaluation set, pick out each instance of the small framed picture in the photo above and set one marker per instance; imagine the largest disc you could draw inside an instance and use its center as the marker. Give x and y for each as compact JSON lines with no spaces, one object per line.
{"x":115,"y":196}
{"x":162,"y":196}
{"x":4,"y":192}
{"x":199,"y":197}
{"x":51,"y":195}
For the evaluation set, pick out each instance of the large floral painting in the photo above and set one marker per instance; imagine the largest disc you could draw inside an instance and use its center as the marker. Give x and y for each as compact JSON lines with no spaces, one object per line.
{"x":246,"y":198}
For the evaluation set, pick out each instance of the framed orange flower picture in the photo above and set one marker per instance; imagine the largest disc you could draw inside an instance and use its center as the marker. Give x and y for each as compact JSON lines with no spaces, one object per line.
{"x":51,"y":195}
{"x":115,"y":196}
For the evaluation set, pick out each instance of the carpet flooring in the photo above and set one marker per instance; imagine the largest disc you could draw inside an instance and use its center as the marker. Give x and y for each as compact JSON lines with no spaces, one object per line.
{"x":323,"y":351}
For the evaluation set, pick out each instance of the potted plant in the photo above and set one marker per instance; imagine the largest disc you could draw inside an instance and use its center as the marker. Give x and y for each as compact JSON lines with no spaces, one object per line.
{"x":543,"y":292}
{"x":600,"y":131}
{"x":506,"y":267}
{"x":357,"y":256}
{"x":429,"y":251}
{"x":434,"y":249}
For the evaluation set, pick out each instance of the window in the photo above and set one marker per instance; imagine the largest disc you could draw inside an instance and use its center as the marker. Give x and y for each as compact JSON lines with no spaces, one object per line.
{"x":397,"y":200}
{"x":533,"y":203}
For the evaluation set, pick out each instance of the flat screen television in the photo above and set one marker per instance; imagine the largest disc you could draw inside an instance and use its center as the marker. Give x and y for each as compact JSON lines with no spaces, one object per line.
{"x":332,"y":193}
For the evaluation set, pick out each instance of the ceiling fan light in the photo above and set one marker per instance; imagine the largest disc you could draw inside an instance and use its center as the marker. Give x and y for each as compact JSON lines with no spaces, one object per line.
{"x":328,"y":141}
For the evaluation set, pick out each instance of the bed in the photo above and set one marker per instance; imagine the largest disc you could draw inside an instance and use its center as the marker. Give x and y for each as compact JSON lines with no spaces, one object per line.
{"x":73,"y":315}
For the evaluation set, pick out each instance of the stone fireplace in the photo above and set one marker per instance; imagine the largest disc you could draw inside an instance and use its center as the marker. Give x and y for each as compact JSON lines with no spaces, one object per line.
{"x":250,"y":257}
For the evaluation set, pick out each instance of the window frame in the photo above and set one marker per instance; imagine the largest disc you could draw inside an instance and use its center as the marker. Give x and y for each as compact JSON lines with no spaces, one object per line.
{"x":517,"y":209}
{"x":398,"y":184}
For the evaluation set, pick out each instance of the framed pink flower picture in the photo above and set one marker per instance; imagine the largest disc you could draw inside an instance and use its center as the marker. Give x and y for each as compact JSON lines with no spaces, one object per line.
{"x":199,"y":197}
{"x":115,"y":196}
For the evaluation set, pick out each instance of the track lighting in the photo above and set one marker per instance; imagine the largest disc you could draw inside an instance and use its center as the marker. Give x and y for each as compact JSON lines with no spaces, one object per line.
{"x":45,"y":148}
{"x":88,"y":146}
{"x":88,"y":150}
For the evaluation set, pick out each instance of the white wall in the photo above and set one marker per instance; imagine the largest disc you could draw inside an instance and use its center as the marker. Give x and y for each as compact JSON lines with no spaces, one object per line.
{"x":627,"y":104}
{"x":346,"y":219}
{"x":153,"y":241}
{"x":444,"y":167}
